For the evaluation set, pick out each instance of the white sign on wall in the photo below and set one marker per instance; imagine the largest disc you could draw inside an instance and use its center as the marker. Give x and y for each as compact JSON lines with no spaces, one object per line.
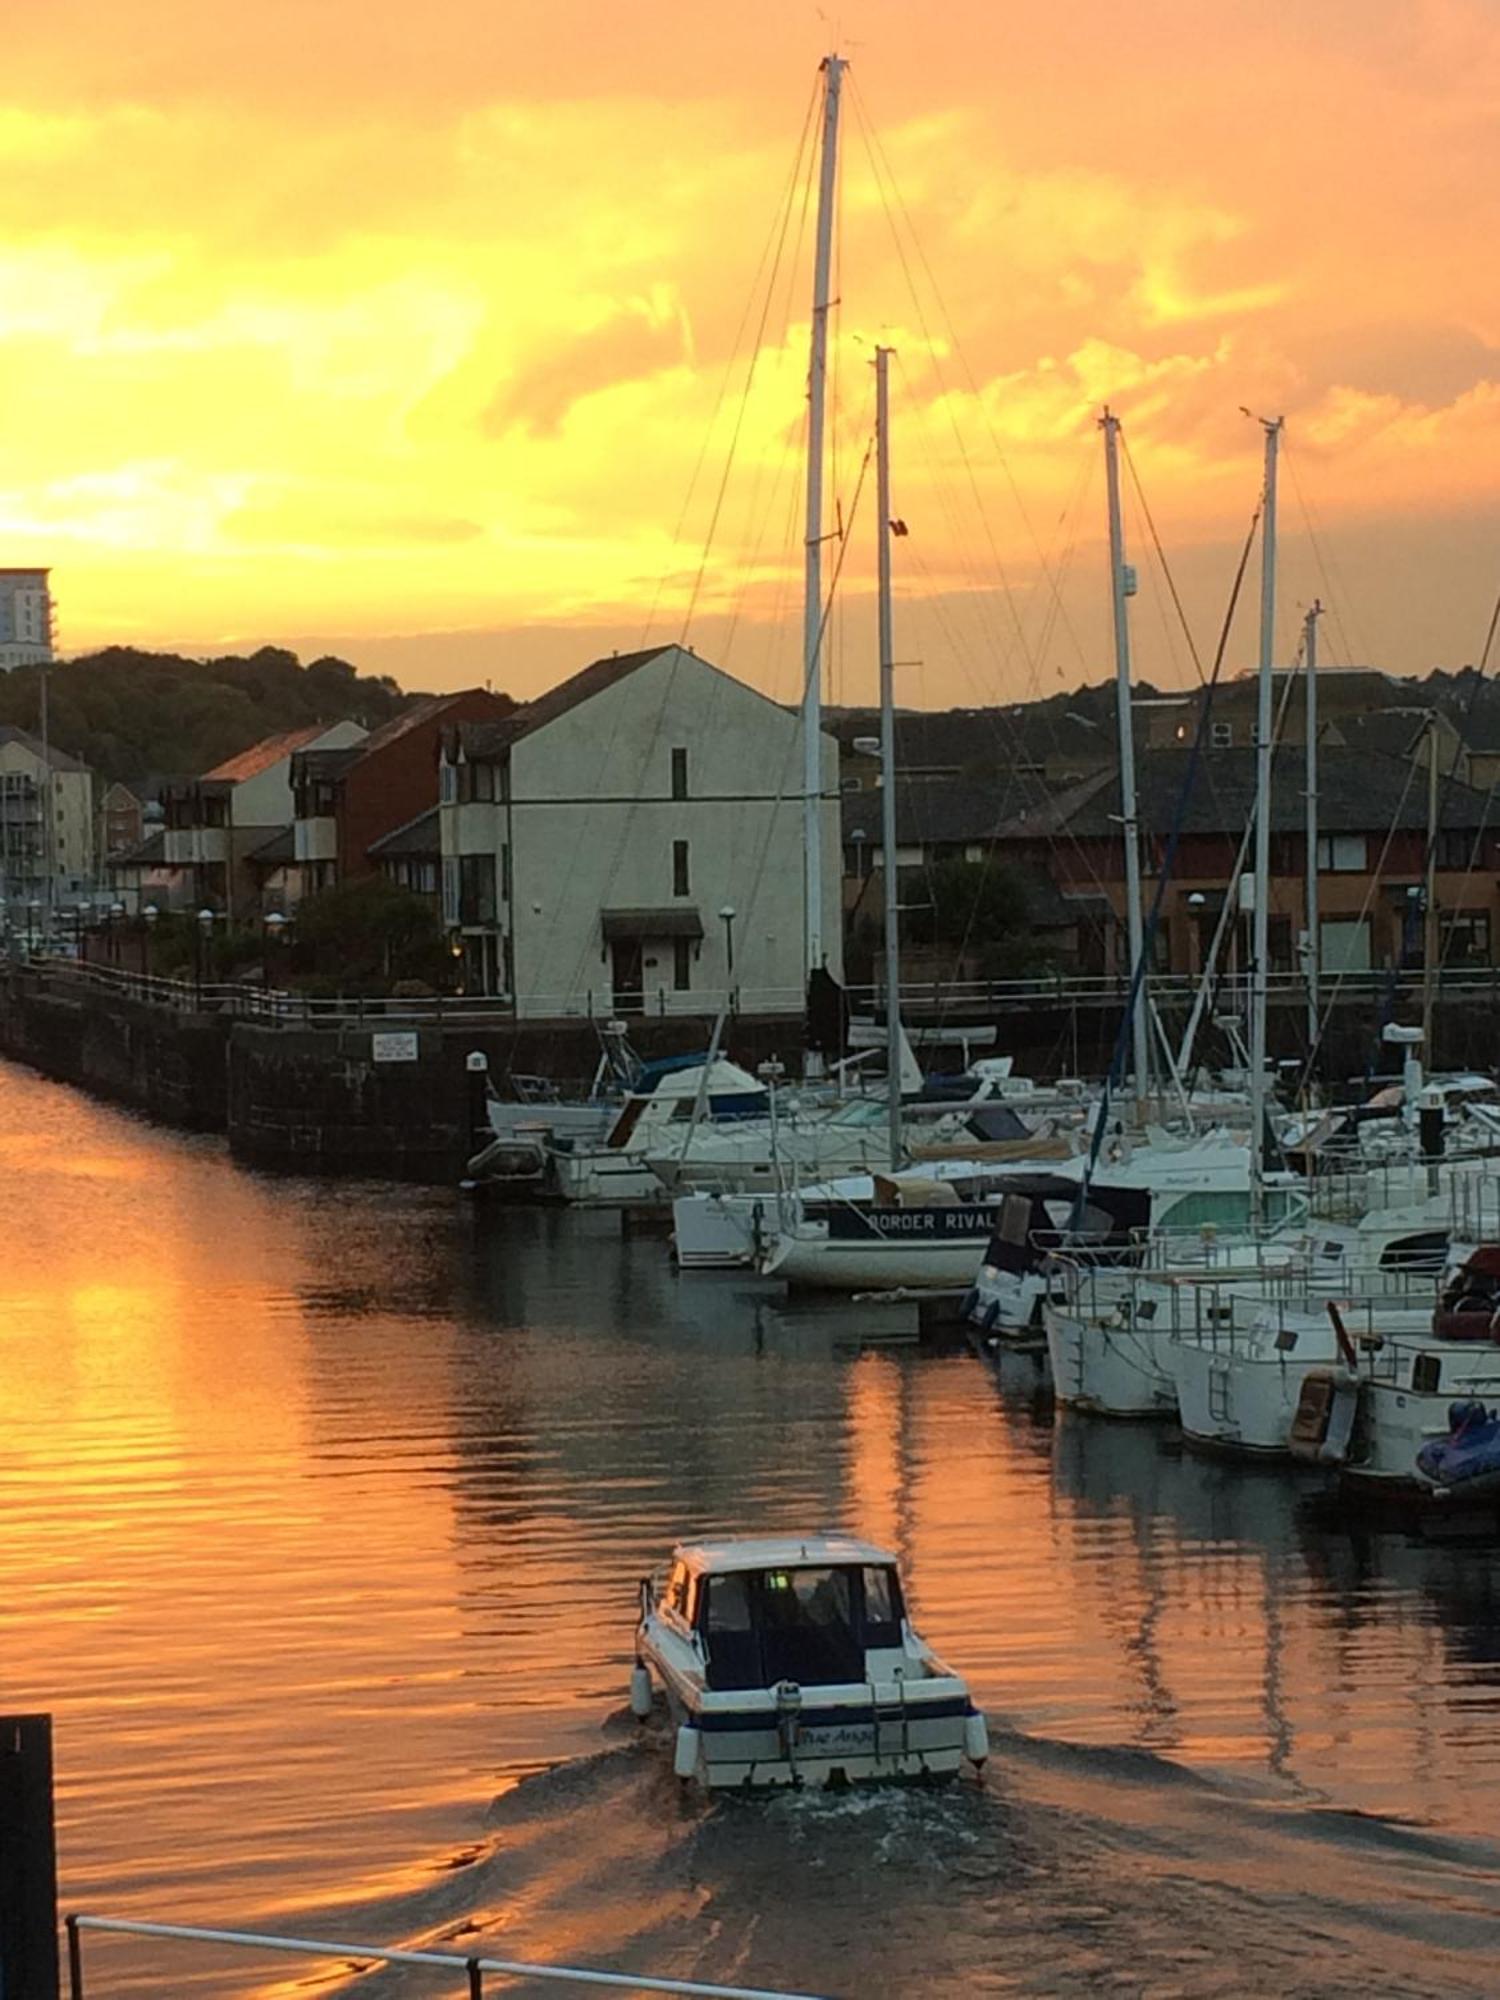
{"x":399,"y":1047}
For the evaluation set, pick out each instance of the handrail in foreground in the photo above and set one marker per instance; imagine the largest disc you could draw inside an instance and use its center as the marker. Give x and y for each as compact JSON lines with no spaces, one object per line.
{"x":473,"y":1968}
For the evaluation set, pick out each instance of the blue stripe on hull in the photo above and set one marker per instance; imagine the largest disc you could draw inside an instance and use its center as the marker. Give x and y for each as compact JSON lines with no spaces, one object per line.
{"x":845,"y":1716}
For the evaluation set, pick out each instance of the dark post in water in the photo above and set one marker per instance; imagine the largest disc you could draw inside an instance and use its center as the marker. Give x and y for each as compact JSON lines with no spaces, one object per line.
{"x":28,"y":1861}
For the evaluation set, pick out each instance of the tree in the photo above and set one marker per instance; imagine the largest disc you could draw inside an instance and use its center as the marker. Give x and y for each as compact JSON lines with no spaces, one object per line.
{"x":977,"y":909}
{"x":367,"y":936}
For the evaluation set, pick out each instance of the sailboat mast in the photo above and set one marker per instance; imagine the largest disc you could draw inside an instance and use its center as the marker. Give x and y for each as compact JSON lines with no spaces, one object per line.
{"x":1121,"y":588}
{"x":1312,"y":961}
{"x":888,"y":753}
{"x":812,"y":609}
{"x":1260,"y":950}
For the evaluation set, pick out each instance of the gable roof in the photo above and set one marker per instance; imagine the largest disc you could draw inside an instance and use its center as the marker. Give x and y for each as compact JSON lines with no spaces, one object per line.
{"x":488,"y":739}
{"x":261,"y":756}
{"x":60,"y":760}
{"x":1359,"y":791}
{"x":420,"y":838}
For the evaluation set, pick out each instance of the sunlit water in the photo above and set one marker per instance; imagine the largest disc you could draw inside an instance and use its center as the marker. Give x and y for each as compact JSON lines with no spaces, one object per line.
{"x":323,"y":1508}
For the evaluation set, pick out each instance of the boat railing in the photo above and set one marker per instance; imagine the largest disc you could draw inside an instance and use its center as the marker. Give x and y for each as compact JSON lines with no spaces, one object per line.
{"x":472,"y":1968}
{"x":1236,"y":1310}
{"x":1430,"y":1367}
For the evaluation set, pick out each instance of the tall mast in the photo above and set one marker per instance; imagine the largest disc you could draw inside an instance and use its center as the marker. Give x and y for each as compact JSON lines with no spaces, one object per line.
{"x":1311,"y":960}
{"x":1122,"y":587}
{"x":888,"y":753}
{"x":1430,"y":946}
{"x":812,"y":609}
{"x":1263,"y":730}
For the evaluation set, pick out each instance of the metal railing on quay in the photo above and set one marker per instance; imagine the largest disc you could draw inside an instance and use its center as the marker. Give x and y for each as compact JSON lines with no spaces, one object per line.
{"x":919,"y":1000}
{"x":473,"y":1969}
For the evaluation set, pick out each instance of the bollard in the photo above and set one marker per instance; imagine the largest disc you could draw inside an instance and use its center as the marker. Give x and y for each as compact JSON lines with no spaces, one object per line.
{"x":28,"y":1861}
{"x":477,"y":1070}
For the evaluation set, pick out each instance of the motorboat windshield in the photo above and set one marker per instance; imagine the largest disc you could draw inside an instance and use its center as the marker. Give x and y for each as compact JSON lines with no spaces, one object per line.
{"x":812,"y":1624}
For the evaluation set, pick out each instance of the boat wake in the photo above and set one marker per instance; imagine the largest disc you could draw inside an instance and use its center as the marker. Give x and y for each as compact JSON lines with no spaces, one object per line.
{"x":1068,"y":1870}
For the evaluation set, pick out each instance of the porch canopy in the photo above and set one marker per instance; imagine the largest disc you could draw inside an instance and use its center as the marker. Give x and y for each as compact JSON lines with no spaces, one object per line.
{"x":676,"y":921}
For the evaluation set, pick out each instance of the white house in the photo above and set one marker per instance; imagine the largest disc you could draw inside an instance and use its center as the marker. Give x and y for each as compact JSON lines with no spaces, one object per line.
{"x":214,"y":823}
{"x":27,"y":850}
{"x":632,"y":841}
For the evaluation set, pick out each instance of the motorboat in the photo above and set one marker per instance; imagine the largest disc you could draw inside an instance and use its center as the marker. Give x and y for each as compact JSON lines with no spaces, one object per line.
{"x":538,"y":1110}
{"x":983,"y":1114}
{"x":674,"y":1093}
{"x":1239,"y":1368}
{"x":792,"y":1661}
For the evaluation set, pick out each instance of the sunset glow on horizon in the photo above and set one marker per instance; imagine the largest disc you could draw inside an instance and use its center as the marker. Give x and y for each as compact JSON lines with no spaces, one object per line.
{"x":426,"y":336}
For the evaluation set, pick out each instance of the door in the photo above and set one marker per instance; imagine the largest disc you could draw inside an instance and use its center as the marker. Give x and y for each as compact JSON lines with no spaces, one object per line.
{"x":627,"y":976}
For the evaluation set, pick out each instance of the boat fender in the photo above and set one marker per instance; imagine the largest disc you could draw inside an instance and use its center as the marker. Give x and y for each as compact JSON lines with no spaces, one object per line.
{"x":685,"y":1754}
{"x":976,"y":1739}
{"x":991,"y":1314}
{"x":640,"y":1692}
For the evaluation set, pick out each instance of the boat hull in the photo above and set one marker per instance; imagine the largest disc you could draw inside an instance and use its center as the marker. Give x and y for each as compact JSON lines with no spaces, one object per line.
{"x":820,"y":1263}
{"x":837,"y":1735}
{"x":1110,"y":1371}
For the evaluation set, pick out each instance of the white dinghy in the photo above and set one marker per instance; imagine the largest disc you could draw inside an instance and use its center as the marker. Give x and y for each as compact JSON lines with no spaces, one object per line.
{"x":792,"y":1662}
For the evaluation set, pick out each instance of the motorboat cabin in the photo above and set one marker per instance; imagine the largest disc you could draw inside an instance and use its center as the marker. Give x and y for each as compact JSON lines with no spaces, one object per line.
{"x":792,"y":1661}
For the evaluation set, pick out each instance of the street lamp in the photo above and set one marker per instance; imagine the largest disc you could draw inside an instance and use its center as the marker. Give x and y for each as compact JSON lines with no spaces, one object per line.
{"x":276,"y":923}
{"x":727,"y":915}
{"x":150,"y":914}
{"x":200,"y":950}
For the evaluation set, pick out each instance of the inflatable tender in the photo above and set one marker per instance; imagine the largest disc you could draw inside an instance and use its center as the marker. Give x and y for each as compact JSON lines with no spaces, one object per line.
{"x":1467,"y":1460}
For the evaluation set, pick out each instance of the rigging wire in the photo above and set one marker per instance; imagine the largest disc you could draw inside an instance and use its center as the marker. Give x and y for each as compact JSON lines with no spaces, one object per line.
{"x":881,"y":166}
{"x":775,"y":235}
{"x":1116,"y":1071}
{"x":801,"y":169}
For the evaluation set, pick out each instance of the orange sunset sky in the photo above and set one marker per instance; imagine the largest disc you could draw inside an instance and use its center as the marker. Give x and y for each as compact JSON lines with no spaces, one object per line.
{"x":405,"y":330}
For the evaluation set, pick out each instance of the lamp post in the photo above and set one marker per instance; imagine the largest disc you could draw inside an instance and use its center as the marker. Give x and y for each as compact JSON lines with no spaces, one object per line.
{"x":116,"y":917}
{"x":201,"y":935}
{"x":150,"y":915}
{"x":276,"y":923}
{"x":726,"y":917}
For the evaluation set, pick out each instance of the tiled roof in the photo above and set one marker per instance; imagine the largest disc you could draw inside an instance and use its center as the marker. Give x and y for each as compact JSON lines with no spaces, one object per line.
{"x":277,"y":851}
{"x":261,"y":756}
{"x":936,"y":811}
{"x":326,"y":763}
{"x":58,"y":759}
{"x":151,"y":853}
{"x":487,"y":739}
{"x":1358,"y":792}
{"x":420,"y":838}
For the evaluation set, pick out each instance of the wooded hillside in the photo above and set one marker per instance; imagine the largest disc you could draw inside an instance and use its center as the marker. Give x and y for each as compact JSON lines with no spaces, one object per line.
{"x":127,"y":713}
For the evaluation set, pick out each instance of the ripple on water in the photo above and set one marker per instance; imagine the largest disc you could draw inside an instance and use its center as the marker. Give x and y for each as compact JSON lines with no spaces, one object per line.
{"x":324,"y":1510}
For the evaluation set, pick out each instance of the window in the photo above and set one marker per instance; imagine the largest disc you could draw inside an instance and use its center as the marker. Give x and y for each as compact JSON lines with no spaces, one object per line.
{"x":1457,"y":848}
{"x":450,"y":888}
{"x":679,"y":774}
{"x":476,"y":888}
{"x":447,"y":783}
{"x":1465,"y":937}
{"x":682,"y":965}
{"x":1221,"y":735}
{"x":505,"y":872}
{"x":1341,"y":854}
{"x":680,"y":868}
{"x":1344,"y":944}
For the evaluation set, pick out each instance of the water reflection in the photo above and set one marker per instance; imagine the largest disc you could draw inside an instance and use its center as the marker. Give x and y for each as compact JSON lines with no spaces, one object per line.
{"x":330,"y":1501}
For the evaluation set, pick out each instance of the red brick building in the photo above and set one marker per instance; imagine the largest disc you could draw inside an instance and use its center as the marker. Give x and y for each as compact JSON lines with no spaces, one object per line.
{"x":348,"y":800}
